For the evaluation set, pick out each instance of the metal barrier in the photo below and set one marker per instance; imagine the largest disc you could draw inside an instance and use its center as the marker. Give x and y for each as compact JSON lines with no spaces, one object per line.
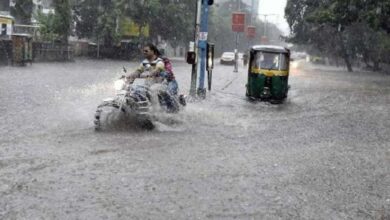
{"x":52,"y":52}
{"x":5,"y":52}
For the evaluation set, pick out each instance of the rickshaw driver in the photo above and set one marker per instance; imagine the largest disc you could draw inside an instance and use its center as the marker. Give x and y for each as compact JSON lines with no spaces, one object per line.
{"x":268,"y":61}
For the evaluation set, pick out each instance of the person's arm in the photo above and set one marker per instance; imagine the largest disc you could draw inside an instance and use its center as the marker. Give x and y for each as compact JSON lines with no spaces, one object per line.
{"x":136,"y":73}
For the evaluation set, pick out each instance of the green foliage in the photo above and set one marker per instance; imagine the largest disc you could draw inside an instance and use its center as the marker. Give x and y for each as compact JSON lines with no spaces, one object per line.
{"x":343,"y":28}
{"x":97,"y":20}
{"x":47,"y":26}
{"x":171,"y":21}
{"x":175,"y":22}
{"x":55,"y":26}
{"x":62,"y":19}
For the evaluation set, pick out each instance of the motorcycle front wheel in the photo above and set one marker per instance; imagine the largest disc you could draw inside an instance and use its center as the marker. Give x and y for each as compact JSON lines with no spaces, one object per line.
{"x":107,"y":117}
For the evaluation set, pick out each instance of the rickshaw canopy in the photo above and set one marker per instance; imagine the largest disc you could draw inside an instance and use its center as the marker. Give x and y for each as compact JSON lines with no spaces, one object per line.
{"x":269,"y":48}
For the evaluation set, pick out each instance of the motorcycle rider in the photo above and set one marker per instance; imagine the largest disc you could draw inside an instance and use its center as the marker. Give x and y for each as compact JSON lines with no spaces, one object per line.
{"x":153,"y":66}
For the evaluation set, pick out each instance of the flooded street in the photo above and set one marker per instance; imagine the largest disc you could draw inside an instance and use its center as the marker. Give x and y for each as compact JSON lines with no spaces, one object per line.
{"x":323,"y":154}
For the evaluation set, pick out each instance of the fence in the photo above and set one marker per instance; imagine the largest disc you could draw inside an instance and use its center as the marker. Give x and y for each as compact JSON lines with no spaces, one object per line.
{"x":5,"y":52}
{"x":52,"y":52}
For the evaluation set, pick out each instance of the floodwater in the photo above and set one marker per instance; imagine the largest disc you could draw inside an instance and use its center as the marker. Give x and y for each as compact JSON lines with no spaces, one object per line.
{"x":323,"y":154}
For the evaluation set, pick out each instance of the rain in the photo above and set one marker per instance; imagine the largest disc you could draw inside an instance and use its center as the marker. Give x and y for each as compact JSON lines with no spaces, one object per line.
{"x":322,"y":152}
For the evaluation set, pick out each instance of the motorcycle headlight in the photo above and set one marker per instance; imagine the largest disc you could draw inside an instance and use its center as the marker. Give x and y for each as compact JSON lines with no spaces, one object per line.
{"x":119,"y":84}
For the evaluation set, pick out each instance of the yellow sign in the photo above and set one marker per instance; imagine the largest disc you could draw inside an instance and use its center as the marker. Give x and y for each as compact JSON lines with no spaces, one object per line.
{"x":5,"y":20}
{"x":131,"y":29}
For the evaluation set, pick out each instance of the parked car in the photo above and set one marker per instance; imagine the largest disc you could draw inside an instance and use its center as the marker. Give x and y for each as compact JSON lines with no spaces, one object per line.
{"x":227,"y":58}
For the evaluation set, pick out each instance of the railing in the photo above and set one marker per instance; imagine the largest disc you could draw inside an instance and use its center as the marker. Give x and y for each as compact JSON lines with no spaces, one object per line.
{"x":52,"y":52}
{"x":5,"y":52}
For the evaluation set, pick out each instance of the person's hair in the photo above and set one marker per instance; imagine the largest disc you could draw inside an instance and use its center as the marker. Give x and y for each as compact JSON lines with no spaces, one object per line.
{"x":153,"y":48}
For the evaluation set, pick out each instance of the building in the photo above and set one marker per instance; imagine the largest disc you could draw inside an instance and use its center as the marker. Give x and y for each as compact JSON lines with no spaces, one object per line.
{"x":6,"y":26}
{"x":5,"y":7}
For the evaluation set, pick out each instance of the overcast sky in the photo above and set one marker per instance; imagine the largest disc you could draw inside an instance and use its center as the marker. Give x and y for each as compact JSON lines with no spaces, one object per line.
{"x":274,"y":7}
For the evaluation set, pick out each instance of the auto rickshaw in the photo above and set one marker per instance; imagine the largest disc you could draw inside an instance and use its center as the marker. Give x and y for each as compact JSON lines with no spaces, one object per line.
{"x":268,"y":73}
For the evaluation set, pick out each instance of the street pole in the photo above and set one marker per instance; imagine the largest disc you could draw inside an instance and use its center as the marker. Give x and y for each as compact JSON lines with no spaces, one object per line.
{"x":266,"y":22}
{"x":253,"y":11}
{"x":203,"y":47}
{"x":194,"y":70}
{"x":265,"y":25}
{"x":236,"y":55}
{"x":98,"y":37}
{"x":236,"y":50}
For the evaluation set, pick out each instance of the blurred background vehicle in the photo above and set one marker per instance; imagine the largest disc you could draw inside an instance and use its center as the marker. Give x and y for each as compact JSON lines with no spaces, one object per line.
{"x":227,"y":58}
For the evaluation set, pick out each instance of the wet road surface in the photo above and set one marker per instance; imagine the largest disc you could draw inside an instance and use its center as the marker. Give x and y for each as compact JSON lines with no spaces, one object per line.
{"x":323,"y":154}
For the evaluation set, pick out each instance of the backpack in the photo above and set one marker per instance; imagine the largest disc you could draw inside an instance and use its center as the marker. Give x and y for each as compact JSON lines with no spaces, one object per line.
{"x":167,"y":64}
{"x":168,"y":68}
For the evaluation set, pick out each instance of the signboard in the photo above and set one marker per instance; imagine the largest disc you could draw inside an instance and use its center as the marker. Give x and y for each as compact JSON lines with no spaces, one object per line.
{"x":131,"y":29}
{"x":264,"y":40}
{"x":203,"y":36}
{"x":5,"y":20}
{"x":251,"y":31}
{"x":238,"y":21}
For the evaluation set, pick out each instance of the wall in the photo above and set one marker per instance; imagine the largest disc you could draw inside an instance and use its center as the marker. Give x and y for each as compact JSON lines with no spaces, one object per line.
{"x":6,"y":20}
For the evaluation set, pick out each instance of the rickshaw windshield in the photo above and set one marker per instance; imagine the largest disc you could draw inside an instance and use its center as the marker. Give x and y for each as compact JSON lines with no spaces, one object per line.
{"x":270,"y":61}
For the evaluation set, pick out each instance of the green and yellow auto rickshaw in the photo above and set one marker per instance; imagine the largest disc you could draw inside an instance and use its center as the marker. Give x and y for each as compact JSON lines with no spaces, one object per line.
{"x":268,"y":73}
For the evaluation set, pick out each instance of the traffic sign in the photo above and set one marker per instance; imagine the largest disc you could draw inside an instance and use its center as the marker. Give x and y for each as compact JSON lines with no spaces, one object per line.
{"x":238,"y":22}
{"x":251,"y":31}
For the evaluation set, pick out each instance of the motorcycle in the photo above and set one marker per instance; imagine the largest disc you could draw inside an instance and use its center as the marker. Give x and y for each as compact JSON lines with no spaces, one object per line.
{"x":139,"y":100}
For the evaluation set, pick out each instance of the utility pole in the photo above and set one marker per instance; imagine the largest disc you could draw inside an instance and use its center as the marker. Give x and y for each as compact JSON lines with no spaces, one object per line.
{"x":194,"y":70}
{"x":252,"y":20}
{"x":98,"y":36}
{"x":203,"y":46}
{"x":253,"y":12}
{"x":237,"y":36}
{"x":265,"y":21}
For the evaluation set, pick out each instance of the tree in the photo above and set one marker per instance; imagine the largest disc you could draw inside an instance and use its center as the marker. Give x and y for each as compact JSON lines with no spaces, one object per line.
{"x":47,"y":26}
{"x":175,"y":22}
{"x":141,"y":12}
{"x":62,"y":19}
{"x":22,"y":11}
{"x":56,"y":26}
{"x":98,"y":21}
{"x":334,"y":24}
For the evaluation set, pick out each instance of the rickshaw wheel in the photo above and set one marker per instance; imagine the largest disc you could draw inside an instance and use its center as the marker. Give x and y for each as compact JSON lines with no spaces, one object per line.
{"x":247,"y":94}
{"x":276,"y":101}
{"x":250,"y":98}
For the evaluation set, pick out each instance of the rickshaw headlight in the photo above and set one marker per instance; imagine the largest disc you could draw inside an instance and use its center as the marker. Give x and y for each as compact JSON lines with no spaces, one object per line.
{"x":294,"y":64}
